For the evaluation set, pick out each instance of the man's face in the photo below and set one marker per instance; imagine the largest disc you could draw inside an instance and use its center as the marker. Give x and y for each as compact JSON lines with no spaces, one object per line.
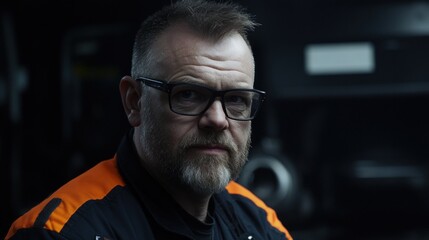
{"x":202,"y":153}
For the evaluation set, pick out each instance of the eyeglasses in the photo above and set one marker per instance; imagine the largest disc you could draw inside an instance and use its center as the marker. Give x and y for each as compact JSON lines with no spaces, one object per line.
{"x":188,"y":99}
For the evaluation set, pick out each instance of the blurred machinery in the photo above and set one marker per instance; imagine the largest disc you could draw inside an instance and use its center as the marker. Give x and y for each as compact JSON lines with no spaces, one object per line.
{"x":93,"y":121}
{"x":346,"y":136}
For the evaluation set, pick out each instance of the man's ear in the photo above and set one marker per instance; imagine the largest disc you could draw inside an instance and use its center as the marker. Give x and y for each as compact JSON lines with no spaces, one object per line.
{"x":130,"y":95}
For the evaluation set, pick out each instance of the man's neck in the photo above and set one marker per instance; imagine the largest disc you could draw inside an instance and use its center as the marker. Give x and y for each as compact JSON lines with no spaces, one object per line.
{"x":195,"y":204}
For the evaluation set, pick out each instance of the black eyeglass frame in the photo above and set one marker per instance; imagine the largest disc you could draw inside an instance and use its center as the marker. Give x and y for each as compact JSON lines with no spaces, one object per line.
{"x":162,"y":85}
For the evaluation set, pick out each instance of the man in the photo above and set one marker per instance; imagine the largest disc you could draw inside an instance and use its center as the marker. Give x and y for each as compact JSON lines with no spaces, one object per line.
{"x":189,"y":100}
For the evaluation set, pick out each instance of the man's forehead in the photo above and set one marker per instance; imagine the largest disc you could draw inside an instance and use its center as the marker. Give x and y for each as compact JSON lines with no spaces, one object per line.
{"x":179,"y":45}
{"x":180,"y":39}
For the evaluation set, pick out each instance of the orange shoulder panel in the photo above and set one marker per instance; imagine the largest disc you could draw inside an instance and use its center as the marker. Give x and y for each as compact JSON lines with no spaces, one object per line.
{"x":95,"y":183}
{"x":235,"y":188}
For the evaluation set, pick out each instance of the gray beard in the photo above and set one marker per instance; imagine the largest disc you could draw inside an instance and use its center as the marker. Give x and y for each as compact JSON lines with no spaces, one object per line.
{"x":201,"y":173}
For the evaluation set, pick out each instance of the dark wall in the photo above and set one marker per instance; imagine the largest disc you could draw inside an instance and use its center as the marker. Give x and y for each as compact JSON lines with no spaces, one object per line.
{"x":61,"y":111}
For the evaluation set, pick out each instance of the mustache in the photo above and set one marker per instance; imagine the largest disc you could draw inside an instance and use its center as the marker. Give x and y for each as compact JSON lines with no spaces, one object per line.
{"x":208,"y":139}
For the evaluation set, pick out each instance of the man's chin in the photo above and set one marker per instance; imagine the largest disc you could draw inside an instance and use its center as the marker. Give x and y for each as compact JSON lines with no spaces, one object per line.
{"x":206,"y":181}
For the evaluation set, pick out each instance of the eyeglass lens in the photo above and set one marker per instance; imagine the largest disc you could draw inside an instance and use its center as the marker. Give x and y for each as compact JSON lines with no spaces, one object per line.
{"x":193,"y":100}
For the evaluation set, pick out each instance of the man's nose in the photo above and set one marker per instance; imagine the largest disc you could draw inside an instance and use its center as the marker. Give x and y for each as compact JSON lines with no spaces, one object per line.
{"x":214,"y":117}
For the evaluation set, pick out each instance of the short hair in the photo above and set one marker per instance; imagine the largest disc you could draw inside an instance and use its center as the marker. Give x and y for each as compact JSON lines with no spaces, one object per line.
{"x":210,"y":18}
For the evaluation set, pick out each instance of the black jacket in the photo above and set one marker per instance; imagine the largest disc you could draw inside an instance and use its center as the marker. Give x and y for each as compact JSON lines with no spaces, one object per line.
{"x":118,"y":199}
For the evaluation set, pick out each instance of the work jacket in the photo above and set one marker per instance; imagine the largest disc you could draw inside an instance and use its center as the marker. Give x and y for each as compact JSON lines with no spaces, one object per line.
{"x":118,"y":199}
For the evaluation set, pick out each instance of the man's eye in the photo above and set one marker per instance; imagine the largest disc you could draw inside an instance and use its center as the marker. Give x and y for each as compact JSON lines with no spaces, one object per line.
{"x":187,"y":94}
{"x":236,"y":99}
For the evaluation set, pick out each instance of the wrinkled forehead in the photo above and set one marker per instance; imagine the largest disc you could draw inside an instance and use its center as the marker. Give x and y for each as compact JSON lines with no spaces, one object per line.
{"x":182,"y":45}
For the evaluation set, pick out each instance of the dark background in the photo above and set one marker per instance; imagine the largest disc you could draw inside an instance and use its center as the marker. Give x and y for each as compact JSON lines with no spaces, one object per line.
{"x":354,"y":147}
